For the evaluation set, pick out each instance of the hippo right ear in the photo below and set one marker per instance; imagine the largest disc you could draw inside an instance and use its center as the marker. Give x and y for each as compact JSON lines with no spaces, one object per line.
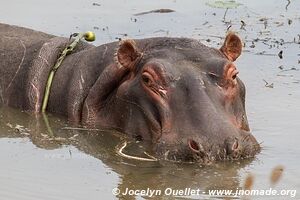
{"x":232,"y":47}
{"x":127,"y":53}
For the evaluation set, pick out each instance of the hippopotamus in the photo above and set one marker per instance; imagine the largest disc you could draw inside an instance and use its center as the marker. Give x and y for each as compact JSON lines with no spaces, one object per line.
{"x":183,"y":97}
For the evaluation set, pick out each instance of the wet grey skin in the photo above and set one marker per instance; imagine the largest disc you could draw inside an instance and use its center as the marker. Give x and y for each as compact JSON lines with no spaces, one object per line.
{"x":183,"y":97}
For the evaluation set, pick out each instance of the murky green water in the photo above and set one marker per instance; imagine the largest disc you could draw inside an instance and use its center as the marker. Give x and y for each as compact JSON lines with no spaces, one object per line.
{"x":41,"y":159}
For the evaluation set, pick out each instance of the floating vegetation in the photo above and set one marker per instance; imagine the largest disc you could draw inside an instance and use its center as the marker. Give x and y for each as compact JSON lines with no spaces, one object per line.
{"x":268,"y":85}
{"x":223,"y":4}
{"x":163,"y":10}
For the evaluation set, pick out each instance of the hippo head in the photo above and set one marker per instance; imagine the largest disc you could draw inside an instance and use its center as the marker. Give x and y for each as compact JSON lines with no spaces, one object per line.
{"x":183,"y":96}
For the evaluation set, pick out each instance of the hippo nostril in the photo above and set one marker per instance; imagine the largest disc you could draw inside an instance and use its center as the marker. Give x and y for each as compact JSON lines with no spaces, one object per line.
{"x":235,"y":145}
{"x":194,"y":146}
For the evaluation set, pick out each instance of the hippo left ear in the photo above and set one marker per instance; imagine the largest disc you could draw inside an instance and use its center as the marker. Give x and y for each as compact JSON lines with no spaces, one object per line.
{"x":232,"y":47}
{"x":127,"y":53}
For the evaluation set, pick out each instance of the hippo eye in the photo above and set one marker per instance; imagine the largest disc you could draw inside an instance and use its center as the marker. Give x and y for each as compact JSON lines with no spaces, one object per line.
{"x":147,"y":78}
{"x":230,"y":72}
{"x":234,"y":76}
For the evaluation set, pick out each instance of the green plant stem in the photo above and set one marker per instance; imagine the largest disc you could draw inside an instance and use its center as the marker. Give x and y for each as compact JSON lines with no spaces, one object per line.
{"x":65,"y":52}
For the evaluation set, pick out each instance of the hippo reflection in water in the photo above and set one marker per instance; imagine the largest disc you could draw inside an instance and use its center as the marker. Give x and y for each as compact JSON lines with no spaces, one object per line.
{"x":177,"y":93}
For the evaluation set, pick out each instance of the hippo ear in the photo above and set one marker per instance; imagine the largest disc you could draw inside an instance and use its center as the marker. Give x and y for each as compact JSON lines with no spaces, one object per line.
{"x":232,"y":47}
{"x":127,"y":53}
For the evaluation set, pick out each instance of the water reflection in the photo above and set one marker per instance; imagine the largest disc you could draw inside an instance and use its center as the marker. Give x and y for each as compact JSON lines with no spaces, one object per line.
{"x":51,"y":132}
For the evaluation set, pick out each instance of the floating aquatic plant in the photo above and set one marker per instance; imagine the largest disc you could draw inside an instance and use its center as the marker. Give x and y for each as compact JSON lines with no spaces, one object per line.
{"x":223,"y":4}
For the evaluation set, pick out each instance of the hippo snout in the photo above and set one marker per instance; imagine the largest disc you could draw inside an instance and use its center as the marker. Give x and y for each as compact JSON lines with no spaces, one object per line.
{"x":198,"y":150}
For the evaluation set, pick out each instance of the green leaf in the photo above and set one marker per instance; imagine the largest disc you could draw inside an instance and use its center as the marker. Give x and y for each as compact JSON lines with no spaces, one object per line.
{"x":223,"y":4}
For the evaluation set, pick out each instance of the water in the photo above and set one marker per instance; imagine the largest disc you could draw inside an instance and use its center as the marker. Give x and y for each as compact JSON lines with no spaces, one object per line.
{"x":40,"y":159}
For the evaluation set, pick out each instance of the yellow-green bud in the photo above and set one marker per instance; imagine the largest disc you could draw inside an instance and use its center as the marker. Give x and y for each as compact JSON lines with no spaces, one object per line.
{"x":90,"y":36}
